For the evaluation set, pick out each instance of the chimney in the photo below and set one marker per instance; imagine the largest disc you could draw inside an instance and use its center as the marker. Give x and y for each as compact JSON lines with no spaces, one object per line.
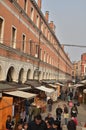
{"x":52,"y":26}
{"x":39,"y":2}
{"x":47,"y":15}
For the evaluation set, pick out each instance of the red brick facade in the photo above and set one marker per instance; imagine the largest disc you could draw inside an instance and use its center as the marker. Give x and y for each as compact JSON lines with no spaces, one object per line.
{"x":83,"y":65}
{"x":27,"y":37}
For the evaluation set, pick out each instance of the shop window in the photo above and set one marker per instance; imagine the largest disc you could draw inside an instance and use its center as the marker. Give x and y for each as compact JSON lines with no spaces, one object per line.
{"x":32,"y":13}
{"x":13,"y":43}
{"x":37,"y":21}
{"x":25,"y":5}
{"x":1,"y":29}
{"x":23,"y":42}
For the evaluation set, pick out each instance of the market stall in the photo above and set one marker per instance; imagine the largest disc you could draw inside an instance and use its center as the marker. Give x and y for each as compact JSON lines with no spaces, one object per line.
{"x":40,"y":100}
{"x":19,"y":98}
{"x":84,"y":96}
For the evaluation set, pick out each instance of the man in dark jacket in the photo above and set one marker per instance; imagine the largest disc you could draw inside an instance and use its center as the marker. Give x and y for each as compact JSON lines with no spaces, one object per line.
{"x":58,"y":113}
{"x":71,"y":125}
{"x":37,"y":124}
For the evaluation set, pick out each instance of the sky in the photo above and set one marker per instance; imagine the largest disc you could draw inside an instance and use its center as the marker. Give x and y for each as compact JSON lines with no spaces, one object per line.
{"x":69,"y":17}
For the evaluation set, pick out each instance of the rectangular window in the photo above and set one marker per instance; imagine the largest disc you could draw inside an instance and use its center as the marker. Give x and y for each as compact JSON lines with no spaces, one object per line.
{"x":1,"y":30}
{"x":42,"y":26}
{"x":32,"y":13}
{"x":25,"y":5}
{"x":23,"y":42}
{"x":44,"y":56}
{"x":37,"y":50}
{"x":31,"y":46}
{"x":40,"y":54}
{"x":37,"y":21}
{"x":13,"y":44}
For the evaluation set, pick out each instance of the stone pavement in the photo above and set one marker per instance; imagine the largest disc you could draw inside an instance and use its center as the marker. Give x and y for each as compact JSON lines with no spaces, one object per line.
{"x":81,"y":114}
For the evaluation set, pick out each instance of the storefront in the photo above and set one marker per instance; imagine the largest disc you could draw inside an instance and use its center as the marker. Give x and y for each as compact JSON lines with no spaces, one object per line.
{"x":11,"y":103}
{"x":5,"y":109}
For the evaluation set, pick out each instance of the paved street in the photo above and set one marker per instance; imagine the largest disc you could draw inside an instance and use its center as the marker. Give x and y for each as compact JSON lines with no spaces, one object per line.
{"x":81,"y":116}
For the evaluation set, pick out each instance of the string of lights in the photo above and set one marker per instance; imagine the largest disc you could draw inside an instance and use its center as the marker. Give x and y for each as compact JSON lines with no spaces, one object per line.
{"x":72,"y":45}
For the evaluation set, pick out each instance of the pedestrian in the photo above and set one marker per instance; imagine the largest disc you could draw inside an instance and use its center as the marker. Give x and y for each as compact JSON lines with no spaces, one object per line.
{"x":56,"y":125}
{"x":66,"y":114}
{"x":70,"y":104}
{"x":49,"y":125}
{"x":71,"y":95}
{"x":25,"y":126}
{"x":9,"y":124}
{"x":22,"y":115}
{"x":27,"y":105}
{"x":75,"y":120}
{"x":74,"y":111}
{"x":20,"y":126}
{"x":37,"y":124}
{"x":49,"y":118}
{"x":71,"y":125}
{"x":58,"y":113}
{"x":50,"y":103}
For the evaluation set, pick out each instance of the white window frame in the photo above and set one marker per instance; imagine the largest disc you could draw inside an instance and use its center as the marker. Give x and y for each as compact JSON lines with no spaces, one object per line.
{"x":13,"y":43}
{"x":23,"y":43}
{"x":37,"y":21}
{"x":25,"y":5}
{"x":32,"y":13}
{"x":2,"y":31}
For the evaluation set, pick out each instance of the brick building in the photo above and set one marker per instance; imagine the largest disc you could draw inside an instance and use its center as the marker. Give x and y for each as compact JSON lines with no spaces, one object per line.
{"x":83,"y":65}
{"x":29,"y":48}
{"x":76,"y":71}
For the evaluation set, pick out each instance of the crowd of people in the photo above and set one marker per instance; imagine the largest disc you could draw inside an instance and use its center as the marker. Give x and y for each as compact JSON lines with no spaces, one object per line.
{"x":69,"y":112}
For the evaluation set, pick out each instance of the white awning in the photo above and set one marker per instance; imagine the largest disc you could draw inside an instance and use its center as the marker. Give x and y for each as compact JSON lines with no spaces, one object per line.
{"x":59,"y":84}
{"x":84,"y":91}
{"x":45,"y":89}
{"x":54,"y":86}
{"x":24,"y":88}
{"x":83,"y":81}
{"x":21,"y":94}
{"x":78,"y":85}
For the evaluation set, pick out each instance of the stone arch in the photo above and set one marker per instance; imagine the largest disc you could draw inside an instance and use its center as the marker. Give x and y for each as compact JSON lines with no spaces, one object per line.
{"x":28,"y":74}
{"x":46,"y":75}
{"x":10,"y":74}
{"x":40,"y":75}
{"x":36,"y":74}
{"x":49,"y":75}
{"x":0,"y":72}
{"x":43,"y":77}
{"x":21,"y":76}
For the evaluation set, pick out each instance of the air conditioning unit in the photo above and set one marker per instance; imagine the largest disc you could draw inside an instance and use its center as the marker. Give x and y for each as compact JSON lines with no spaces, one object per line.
{"x":36,"y":55}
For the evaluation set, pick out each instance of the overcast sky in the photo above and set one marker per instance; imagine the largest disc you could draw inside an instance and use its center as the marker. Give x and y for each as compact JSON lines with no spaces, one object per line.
{"x":69,"y":17}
